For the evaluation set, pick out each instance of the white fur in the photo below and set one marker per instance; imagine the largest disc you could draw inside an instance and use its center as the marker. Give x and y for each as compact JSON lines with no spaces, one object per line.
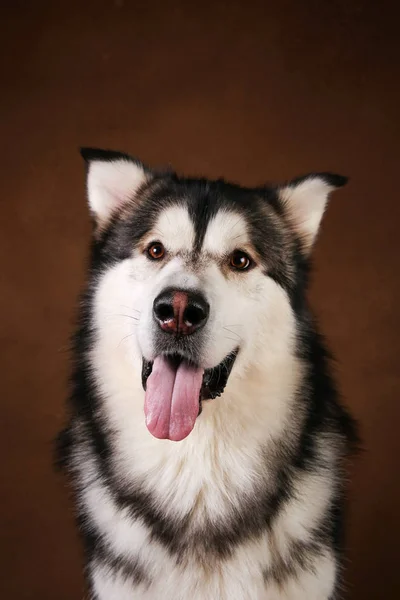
{"x":113,"y":586}
{"x":238,"y":578}
{"x":111,"y":184}
{"x":316,"y":584}
{"x":127,"y":537}
{"x":221,"y":459}
{"x":306,"y":203}
{"x":175,"y":229}
{"x":304,"y":511}
{"x":226,"y":232}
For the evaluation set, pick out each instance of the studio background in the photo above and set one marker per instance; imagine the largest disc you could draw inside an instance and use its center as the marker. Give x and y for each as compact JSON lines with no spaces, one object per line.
{"x":253,"y":91}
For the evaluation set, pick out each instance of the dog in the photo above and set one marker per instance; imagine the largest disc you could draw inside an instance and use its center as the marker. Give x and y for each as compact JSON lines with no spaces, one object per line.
{"x":205,"y":444}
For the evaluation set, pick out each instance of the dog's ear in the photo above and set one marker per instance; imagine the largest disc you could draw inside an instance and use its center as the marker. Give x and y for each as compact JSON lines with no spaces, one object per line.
{"x":304,"y":200}
{"x":112,"y":179}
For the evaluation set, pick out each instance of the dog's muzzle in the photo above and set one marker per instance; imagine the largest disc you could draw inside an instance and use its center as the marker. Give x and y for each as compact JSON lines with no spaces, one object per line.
{"x":175,"y":381}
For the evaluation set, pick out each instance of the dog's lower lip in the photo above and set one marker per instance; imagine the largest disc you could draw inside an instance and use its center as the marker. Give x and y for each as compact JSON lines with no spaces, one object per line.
{"x":214,"y":379}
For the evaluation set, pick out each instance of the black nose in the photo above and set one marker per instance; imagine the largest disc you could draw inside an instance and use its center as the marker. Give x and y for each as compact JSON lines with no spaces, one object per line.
{"x":180,"y":311}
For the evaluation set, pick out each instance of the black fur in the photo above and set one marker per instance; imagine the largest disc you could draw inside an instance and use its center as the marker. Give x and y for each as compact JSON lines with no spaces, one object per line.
{"x":96,"y":154}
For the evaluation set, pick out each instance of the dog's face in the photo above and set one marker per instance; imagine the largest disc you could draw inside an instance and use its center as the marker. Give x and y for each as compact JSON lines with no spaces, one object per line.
{"x":199,"y":277}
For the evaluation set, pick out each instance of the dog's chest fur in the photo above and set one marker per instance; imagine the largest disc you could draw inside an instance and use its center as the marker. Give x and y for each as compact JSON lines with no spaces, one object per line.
{"x":207,"y":518}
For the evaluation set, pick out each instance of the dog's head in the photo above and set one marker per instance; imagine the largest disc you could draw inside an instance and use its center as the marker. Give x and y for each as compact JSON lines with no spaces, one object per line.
{"x":196,"y":279}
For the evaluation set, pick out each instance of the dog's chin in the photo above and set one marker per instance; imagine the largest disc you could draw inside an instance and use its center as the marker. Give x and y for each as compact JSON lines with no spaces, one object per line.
{"x":214,"y":379}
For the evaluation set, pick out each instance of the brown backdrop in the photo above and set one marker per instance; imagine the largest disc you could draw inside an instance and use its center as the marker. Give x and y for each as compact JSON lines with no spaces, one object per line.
{"x":252,"y":91}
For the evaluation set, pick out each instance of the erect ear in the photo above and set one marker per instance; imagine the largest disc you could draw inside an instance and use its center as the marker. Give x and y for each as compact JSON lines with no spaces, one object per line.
{"x":304,"y":201}
{"x":113,"y":179}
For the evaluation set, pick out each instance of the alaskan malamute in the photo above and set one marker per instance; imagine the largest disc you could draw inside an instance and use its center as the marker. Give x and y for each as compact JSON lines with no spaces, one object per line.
{"x":206,"y":444}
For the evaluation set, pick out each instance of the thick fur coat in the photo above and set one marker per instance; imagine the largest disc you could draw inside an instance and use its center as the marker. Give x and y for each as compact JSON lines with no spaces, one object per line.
{"x":239,"y":496}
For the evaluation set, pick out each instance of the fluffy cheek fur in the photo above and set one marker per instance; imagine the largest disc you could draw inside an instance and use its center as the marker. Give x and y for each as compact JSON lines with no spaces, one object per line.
{"x":248,"y":310}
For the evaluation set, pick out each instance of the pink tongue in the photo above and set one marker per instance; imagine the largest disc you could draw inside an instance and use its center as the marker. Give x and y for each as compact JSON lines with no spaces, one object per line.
{"x":172,"y":399}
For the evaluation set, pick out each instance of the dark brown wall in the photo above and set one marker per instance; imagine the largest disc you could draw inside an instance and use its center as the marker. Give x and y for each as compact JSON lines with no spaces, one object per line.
{"x":251,"y":91}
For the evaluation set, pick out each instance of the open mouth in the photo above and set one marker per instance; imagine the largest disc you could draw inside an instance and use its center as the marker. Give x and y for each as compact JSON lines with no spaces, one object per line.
{"x":175,"y":389}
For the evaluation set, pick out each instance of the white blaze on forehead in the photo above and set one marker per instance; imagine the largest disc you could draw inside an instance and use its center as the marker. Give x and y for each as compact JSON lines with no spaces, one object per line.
{"x":174,"y":229}
{"x":226,"y":232}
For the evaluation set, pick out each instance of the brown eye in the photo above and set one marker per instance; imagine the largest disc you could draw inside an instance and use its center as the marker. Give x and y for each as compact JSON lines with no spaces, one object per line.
{"x":240,"y":260}
{"x":156,"y":251}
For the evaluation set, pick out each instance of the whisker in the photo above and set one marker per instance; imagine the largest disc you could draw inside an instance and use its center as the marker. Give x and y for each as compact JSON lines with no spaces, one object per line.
{"x":233,"y":333}
{"x":231,"y":339}
{"x":124,"y":338}
{"x":234,"y":225}
{"x":224,"y":364}
{"x":219,"y":374}
{"x":128,"y":317}
{"x":237,"y":237}
{"x":131,"y":308}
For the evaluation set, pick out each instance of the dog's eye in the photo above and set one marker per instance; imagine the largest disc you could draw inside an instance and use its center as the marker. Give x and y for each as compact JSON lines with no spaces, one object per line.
{"x":156,"y":251}
{"x":240,"y":260}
